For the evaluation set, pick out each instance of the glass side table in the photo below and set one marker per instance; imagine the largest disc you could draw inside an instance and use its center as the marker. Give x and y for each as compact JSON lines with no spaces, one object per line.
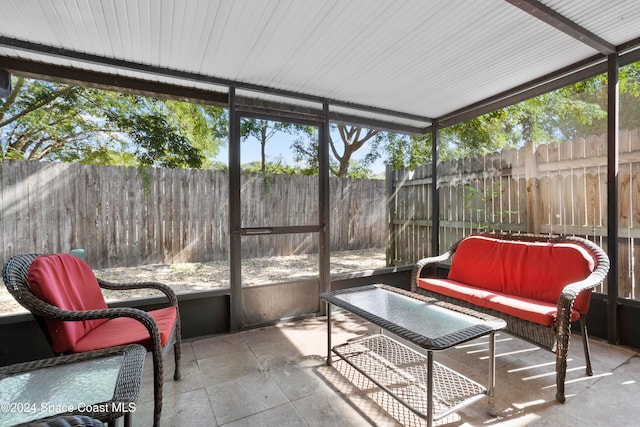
{"x":102,"y":384}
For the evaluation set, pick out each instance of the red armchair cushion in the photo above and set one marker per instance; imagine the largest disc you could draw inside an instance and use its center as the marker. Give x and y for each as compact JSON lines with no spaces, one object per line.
{"x":67,"y":282}
{"x":531,"y":270}
{"x":125,"y":330}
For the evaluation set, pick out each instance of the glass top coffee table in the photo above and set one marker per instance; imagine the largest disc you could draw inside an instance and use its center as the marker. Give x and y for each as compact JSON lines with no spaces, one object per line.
{"x":429,"y":389}
{"x":102,"y":384}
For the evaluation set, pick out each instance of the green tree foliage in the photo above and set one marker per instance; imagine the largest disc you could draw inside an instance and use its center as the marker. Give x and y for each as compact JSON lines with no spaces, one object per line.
{"x":50,"y":121}
{"x":594,"y":91}
{"x":408,"y":152}
{"x":206,"y":127}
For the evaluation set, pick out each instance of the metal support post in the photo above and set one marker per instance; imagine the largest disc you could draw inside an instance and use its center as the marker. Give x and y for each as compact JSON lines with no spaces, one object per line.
{"x":429,"y":388}
{"x":329,"y":359}
{"x":491,"y":389}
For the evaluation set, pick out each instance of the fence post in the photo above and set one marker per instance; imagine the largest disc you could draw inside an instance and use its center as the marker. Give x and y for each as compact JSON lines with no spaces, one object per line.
{"x":533,"y":188}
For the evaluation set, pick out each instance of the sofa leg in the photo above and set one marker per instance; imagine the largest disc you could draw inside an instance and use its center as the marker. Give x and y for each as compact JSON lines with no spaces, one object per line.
{"x":157,"y":386}
{"x":177,"y":352}
{"x":562,"y":350}
{"x":585,"y":344}
{"x":560,"y":376}
{"x":561,"y":372}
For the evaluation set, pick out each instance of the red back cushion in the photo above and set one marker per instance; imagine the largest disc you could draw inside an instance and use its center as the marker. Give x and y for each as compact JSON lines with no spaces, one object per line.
{"x":67,"y":282}
{"x":535,"y":270}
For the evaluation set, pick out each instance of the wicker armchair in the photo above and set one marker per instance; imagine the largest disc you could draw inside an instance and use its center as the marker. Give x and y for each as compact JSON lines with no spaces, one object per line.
{"x":74,"y":317}
{"x":554,"y":337}
{"x":70,"y":421}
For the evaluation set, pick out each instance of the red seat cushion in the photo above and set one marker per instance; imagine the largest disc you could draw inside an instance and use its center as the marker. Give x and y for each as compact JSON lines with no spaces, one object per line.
{"x":125,"y":330}
{"x":67,"y":282}
{"x":532,"y":270}
{"x":530,"y":310}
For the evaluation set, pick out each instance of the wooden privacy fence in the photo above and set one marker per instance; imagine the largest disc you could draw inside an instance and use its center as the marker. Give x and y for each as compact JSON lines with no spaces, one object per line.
{"x":555,"y":188}
{"x":128,"y":217}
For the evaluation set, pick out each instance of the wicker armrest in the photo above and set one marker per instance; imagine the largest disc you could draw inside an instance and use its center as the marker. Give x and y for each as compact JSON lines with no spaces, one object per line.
{"x":42,"y":308}
{"x":568,"y":297}
{"x":417,"y":268}
{"x":572,"y":290}
{"x":166,"y":290}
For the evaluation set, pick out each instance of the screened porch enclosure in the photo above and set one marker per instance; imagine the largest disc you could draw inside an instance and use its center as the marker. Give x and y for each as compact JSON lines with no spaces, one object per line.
{"x":404,"y":68}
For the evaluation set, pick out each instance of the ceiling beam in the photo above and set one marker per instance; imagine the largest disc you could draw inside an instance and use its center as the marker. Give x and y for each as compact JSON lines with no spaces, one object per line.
{"x":114,"y":82}
{"x":280,"y":111}
{"x":562,"y":23}
{"x":629,"y":48}
{"x":378,"y":124}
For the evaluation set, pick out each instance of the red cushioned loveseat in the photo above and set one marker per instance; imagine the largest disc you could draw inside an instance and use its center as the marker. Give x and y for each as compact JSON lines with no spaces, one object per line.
{"x":538,"y":284}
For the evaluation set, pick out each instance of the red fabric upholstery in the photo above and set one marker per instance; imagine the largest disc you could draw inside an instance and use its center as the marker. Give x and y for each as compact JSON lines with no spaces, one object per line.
{"x":124,"y":330}
{"x":534,"y":271}
{"x":535,"y":311}
{"x":65,"y":281}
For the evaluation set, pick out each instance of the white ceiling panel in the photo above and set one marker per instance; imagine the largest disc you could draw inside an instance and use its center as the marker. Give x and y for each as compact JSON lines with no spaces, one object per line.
{"x":422,"y":58}
{"x":616,"y":21}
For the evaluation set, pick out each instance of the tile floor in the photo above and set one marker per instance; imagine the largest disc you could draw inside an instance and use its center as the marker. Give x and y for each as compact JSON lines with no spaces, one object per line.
{"x":277,"y":376}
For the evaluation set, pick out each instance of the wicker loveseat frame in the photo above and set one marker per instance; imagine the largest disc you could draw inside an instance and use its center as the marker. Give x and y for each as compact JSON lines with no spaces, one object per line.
{"x":554,"y":337}
{"x":15,"y":276}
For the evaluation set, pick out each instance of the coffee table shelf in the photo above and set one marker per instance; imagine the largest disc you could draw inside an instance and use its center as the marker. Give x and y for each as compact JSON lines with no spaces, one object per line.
{"x":403,"y":373}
